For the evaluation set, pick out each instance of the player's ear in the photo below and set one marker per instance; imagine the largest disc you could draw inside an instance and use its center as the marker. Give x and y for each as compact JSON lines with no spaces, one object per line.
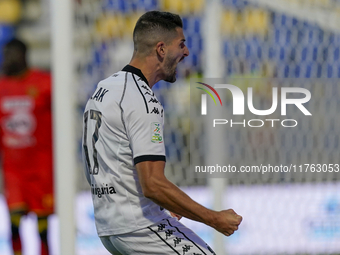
{"x":160,"y":48}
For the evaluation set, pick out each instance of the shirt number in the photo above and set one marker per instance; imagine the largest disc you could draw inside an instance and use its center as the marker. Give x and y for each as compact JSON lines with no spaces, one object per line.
{"x":97,"y":116}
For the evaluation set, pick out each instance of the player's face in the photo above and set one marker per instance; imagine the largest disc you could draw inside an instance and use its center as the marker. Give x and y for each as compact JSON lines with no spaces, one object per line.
{"x":176,"y":53}
{"x":14,"y":61}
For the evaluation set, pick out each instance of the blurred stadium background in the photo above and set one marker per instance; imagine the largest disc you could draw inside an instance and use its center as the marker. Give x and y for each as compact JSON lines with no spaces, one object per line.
{"x":297,"y":214}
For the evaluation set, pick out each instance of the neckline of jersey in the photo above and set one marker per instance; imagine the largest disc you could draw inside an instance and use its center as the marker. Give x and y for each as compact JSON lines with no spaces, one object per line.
{"x":136,"y":71}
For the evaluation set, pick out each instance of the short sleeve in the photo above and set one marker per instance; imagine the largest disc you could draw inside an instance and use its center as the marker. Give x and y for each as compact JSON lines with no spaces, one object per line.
{"x":145,"y":133}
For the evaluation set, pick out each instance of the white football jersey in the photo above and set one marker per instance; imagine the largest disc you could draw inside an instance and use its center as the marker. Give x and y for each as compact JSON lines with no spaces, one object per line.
{"x":123,"y":125}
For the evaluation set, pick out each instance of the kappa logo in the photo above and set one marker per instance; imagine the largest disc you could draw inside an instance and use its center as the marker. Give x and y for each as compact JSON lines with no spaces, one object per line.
{"x":177,"y":240}
{"x":186,"y":248}
{"x":148,"y":93}
{"x":156,"y":132}
{"x":155,"y":110}
{"x":169,"y":233}
{"x":161,"y":226}
{"x":153,"y":100}
{"x":145,"y":87}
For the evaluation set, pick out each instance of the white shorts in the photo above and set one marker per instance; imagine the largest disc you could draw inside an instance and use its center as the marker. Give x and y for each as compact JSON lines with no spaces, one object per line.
{"x":165,"y":237}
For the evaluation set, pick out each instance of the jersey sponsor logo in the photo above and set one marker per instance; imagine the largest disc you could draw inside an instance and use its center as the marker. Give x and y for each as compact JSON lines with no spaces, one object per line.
{"x":20,"y":123}
{"x":104,"y":190}
{"x":16,"y":103}
{"x":156,"y":132}
{"x":99,"y":94}
{"x":18,"y":142}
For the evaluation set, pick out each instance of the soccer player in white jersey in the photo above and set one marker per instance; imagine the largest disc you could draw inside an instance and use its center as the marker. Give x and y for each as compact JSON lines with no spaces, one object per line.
{"x":124,"y":153}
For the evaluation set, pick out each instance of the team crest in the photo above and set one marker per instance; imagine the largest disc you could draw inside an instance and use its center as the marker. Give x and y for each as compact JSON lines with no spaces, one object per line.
{"x":156,"y":132}
{"x":33,"y":92}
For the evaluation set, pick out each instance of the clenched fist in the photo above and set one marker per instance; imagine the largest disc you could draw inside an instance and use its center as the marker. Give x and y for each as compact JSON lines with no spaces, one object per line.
{"x":226,"y":221}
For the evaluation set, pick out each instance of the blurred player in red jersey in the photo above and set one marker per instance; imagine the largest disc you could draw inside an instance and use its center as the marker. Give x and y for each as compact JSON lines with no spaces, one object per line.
{"x":26,"y":141}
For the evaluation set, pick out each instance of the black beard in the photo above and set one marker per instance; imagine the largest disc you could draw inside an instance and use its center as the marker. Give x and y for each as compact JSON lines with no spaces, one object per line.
{"x":170,"y":77}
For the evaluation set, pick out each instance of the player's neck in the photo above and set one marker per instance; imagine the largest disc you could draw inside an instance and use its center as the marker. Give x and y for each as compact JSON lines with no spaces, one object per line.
{"x":18,"y":73}
{"x":149,"y":68}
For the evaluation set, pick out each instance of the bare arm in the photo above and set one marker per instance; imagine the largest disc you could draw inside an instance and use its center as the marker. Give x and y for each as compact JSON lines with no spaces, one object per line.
{"x":159,"y":189}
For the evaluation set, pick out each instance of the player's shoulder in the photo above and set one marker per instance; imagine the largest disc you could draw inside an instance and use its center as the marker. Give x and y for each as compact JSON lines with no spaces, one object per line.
{"x":109,"y":90}
{"x":116,"y":79}
{"x":124,"y":84}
